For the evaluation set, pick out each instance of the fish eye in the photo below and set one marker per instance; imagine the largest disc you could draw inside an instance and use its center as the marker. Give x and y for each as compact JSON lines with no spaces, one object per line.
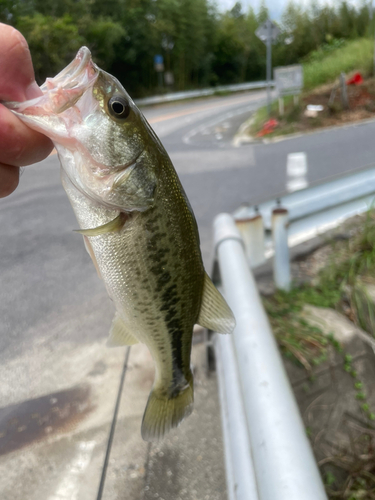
{"x":118,"y":107}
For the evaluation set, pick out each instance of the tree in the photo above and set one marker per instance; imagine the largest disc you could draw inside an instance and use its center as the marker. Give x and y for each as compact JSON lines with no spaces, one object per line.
{"x":53,"y":42}
{"x":263,"y":13}
{"x":200,"y":45}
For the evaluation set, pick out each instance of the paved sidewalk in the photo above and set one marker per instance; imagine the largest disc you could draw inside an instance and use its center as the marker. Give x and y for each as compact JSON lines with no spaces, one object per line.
{"x":189,"y":463}
{"x":52,"y":447}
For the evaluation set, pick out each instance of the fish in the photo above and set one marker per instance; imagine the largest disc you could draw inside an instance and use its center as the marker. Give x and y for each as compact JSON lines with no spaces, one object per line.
{"x":137,"y":225}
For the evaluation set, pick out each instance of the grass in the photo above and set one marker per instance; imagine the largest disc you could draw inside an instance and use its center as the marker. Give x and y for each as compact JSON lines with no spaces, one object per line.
{"x":298,"y":340}
{"x":349,"y":474}
{"x":339,"y":286}
{"x":359,"y":469}
{"x":354,"y":55}
{"x":261,"y":116}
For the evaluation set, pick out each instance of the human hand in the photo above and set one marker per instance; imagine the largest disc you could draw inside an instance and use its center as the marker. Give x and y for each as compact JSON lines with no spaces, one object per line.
{"x":19,"y":145}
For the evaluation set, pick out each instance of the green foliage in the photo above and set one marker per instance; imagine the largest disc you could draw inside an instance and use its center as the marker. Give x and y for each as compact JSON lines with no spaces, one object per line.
{"x":53,"y":42}
{"x":298,"y":340}
{"x":335,"y":287}
{"x":263,"y":12}
{"x":103,"y":37}
{"x":350,"y":473}
{"x":326,"y":65}
{"x":329,"y":479}
{"x":324,"y":49}
{"x":201,"y":46}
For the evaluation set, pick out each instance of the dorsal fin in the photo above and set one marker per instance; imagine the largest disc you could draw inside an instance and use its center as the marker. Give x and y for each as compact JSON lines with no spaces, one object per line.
{"x":119,"y":334}
{"x":215,"y":313}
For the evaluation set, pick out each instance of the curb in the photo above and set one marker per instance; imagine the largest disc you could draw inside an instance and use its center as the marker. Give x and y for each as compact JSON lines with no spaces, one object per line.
{"x":241,"y":139}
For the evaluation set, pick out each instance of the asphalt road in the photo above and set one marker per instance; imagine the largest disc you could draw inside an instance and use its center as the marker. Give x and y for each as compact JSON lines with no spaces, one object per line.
{"x":220,"y":177}
{"x":54,"y":310}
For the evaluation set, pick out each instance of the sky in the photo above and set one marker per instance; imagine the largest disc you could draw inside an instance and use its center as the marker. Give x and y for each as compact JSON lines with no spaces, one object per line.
{"x":275,"y":7}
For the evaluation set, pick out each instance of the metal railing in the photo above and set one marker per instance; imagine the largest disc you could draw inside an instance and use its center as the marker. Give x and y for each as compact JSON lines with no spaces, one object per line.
{"x":190,"y":94}
{"x":271,"y":227}
{"x":268,"y":455}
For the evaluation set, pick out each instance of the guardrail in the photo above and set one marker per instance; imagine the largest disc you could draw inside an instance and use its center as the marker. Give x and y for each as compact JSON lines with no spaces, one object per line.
{"x":268,"y":455}
{"x":190,"y":94}
{"x":305,"y":214}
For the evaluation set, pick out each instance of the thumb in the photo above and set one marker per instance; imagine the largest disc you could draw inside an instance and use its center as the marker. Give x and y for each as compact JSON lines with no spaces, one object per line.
{"x":17,"y":83}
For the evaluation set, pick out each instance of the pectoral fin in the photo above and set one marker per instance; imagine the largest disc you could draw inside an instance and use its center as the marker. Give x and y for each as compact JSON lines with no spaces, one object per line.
{"x":119,"y":334}
{"x":215,"y":313}
{"x":114,"y":225}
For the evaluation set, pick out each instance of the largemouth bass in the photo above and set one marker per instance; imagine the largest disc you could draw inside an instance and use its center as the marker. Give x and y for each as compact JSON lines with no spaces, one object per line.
{"x":137,"y":225}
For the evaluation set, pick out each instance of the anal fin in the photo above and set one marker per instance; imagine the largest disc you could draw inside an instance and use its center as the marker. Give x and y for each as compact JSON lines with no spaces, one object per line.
{"x":119,"y":334}
{"x":215,"y":314}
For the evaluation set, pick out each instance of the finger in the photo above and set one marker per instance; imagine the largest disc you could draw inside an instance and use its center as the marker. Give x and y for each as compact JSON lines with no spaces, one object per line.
{"x":17,"y":83}
{"x":9,"y":178}
{"x":20,"y":145}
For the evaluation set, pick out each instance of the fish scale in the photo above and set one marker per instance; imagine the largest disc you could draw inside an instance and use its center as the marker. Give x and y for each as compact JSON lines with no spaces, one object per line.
{"x":138,"y":227}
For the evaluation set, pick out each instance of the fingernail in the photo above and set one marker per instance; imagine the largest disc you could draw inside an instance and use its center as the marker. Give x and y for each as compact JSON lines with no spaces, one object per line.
{"x":33,"y":91}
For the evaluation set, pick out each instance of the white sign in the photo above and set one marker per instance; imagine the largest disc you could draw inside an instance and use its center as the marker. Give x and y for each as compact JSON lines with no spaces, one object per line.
{"x":289,"y":79}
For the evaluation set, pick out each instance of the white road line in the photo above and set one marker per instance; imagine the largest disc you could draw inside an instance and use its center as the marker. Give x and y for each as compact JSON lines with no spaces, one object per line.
{"x":204,"y":129}
{"x":69,"y":486}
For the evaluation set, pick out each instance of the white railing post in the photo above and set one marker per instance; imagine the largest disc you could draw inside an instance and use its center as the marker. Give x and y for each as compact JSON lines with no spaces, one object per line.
{"x":281,"y":259}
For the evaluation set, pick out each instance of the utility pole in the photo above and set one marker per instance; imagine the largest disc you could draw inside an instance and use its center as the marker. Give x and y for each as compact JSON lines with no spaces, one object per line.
{"x":269,"y":64}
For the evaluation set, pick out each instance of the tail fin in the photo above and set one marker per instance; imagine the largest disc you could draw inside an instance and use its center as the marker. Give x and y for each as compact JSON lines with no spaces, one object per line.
{"x":163,"y":413}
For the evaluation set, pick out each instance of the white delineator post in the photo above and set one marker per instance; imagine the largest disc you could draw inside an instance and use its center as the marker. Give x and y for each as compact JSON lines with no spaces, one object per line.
{"x":252,"y":232}
{"x":281,"y":258}
{"x":284,"y":464}
{"x":296,"y":171}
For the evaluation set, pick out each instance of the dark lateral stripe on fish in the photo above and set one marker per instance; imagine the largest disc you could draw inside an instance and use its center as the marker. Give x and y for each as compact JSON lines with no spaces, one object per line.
{"x":157,"y":253}
{"x":175,"y":330}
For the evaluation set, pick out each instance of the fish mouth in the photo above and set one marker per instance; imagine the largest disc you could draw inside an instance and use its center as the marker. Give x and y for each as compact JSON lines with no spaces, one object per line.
{"x":71,"y":75}
{"x":62,"y":91}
